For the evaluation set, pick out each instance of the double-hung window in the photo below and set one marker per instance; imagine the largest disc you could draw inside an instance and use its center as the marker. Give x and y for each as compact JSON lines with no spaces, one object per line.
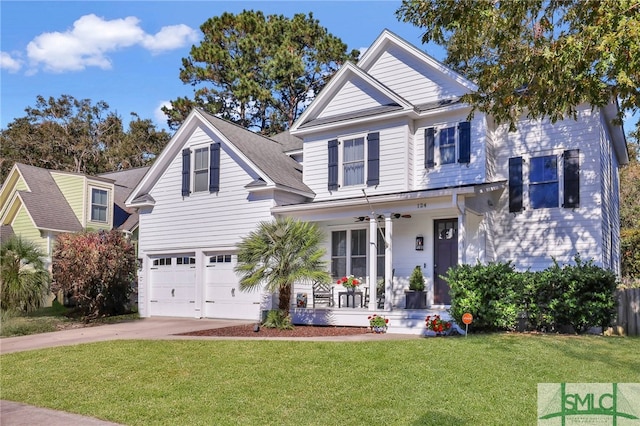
{"x":447,"y":145}
{"x":99,"y":205}
{"x":353,"y":164}
{"x":543,"y":182}
{"x":354,"y":161}
{"x":201,"y":170}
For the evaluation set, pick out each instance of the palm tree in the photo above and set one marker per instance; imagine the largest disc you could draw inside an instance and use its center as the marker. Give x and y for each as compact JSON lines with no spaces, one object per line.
{"x":280,"y":253}
{"x":24,"y":280}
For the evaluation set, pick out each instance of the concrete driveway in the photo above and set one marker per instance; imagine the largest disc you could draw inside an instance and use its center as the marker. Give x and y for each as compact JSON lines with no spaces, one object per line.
{"x":147,"y":328}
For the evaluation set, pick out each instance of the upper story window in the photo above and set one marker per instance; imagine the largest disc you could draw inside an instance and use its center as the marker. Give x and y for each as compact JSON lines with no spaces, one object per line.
{"x":354,"y":161}
{"x":99,"y":205}
{"x":205,"y":169}
{"x":543,"y":183}
{"x":201,"y":170}
{"x":353,"y":164}
{"x":453,"y":144}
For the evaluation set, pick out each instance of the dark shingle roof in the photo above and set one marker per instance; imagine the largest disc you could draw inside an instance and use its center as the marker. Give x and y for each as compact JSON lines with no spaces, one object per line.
{"x":46,"y":205}
{"x":288,"y":141}
{"x":6,"y":232}
{"x":266,"y":154}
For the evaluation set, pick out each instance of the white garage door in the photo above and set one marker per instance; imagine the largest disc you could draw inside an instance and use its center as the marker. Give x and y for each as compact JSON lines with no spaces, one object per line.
{"x":223,"y":298}
{"x":173,"y":286}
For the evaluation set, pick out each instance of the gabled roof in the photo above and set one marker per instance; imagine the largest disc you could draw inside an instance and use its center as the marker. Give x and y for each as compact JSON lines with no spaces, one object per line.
{"x":397,"y":104}
{"x":124,"y":182}
{"x":44,"y":201}
{"x":349,"y":72}
{"x":387,"y":38}
{"x":265,"y":156}
{"x":6,"y":232}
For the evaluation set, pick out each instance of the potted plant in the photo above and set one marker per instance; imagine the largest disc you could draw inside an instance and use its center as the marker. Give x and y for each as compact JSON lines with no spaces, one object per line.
{"x":437,"y":325}
{"x":378,"y":324}
{"x":416,"y":297}
{"x":349,"y":282}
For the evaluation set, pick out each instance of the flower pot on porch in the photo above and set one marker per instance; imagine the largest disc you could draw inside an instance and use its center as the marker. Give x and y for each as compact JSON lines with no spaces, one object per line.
{"x":415,"y":300}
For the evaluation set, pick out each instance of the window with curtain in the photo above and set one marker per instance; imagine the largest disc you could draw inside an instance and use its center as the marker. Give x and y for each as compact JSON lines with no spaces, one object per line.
{"x":353,"y":162}
{"x":447,"y":145}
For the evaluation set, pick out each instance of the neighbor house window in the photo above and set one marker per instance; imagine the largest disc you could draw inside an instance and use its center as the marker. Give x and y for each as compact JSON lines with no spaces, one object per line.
{"x":201,"y":170}
{"x":353,"y":162}
{"x":99,"y":205}
{"x":543,"y":182}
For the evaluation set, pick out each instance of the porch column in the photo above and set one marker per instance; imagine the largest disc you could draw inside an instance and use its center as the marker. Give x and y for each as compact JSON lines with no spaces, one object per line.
{"x":388,"y":261}
{"x":373,"y":262}
{"x":462,"y":235}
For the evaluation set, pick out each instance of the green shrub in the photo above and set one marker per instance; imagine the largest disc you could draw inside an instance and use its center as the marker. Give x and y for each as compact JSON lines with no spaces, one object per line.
{"x":416,"y":280}
{"x":630,"y":254}
{"x":581,"y":296}
{"x":491,"y":293}
{"x":97,"y":269}
{"x":278,"y":319}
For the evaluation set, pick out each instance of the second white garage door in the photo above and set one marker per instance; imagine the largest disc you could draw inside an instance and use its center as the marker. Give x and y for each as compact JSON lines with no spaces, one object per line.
{"x":223,"y":298}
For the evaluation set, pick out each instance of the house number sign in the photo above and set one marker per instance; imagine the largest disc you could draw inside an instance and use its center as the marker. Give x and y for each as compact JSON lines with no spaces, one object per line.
{"x":422,"y":205}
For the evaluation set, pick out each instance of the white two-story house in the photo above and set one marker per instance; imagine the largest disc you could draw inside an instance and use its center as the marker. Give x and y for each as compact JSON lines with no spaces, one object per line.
{"x":388,"y":163}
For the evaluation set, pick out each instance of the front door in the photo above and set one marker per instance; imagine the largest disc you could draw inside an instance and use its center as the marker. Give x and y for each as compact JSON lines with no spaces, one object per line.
{"x":445,"y":255}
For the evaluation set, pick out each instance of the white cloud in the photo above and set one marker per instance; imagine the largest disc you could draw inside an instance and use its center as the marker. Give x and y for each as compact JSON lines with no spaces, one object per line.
{"x":169,"y":38}
{"x":159,"y":115}
{"x":92,"y":38}
{"x":8,"y":63}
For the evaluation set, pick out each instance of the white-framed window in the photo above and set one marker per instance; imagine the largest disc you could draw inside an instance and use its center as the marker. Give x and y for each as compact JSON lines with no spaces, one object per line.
{"x":544,"y":188}
{"x":447,"y":147}
{"x":162,"y":261}
{"x":353,"y":161}
{"x":221,"y":258}
{"x":185,"y":260}
{"x":349,"y":254}
{"x":201,"y":170}
{"x":99,"y":205}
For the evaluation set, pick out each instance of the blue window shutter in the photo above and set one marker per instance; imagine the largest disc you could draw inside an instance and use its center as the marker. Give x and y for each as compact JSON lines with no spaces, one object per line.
{"x":464,"y":137}
{"x":214,"y":167}
{"x":186,"y":171}
{"x":333,"y":165}
{"x":429,"y":147}
{"x":373,"y":160}
{"x":515,"y":184}
{"x":572,"y":178}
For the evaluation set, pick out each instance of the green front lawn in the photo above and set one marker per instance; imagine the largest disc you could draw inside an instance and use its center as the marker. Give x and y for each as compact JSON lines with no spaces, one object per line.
{"x":479,"y":380}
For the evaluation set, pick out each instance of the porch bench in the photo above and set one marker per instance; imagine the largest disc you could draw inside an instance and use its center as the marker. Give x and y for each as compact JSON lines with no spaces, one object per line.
{"x":322,"y":293}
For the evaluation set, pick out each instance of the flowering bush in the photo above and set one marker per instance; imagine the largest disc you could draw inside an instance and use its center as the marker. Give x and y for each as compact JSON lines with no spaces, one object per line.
{"x":349,"y":282}
{"x":437,"y":325}
{"x":378,"y":323}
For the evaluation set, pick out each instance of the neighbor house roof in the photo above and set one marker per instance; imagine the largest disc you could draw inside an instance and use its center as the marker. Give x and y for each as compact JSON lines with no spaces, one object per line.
{"x":45,"y":202}
{"x":288,"y":141}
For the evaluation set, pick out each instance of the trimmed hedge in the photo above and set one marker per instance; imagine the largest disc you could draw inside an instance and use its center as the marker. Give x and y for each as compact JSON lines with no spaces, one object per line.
{"x":579,"y":296}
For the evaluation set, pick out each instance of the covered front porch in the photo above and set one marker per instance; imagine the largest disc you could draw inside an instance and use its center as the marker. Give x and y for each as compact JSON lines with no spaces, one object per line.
{"x":381,"y":239}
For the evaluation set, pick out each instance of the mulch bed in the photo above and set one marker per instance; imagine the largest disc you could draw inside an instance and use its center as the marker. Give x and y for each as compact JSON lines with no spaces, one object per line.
{"x":299,"y":331}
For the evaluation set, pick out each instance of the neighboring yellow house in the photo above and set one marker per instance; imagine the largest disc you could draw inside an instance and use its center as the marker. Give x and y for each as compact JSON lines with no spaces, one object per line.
{"x":38,"y":204}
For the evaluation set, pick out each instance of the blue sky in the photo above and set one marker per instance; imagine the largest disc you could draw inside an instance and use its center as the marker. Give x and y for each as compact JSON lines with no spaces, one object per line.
{"x":129,"y":54}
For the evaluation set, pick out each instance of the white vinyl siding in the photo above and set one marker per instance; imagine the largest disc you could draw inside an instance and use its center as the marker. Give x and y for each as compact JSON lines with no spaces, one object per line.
{"x":355,"y":95}
{"x":203,"y":219}
{"x":393,"y":162}
{"x":412,"y":79}
{"x":453,"y":174}
{"x":548,"y":233}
